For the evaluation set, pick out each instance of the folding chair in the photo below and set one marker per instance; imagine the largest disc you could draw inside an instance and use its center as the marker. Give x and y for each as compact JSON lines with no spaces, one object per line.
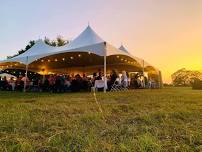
{"x":116,"y":86}
{"x":119,"y":86}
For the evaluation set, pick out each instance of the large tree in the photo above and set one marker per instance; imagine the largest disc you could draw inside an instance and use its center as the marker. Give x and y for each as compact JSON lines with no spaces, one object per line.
{"x":184,"y":77}
{"x":60,"y":41}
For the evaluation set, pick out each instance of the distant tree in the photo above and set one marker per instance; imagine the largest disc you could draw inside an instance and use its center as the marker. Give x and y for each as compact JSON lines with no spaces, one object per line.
{"x":184,"y":77}
{"x":47,"y":40}
{"x":60,"y":41}
{"x":28,"y":46}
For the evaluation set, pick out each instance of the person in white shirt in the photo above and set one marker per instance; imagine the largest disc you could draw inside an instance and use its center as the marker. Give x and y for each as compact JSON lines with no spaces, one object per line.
{"x":124,"y":79}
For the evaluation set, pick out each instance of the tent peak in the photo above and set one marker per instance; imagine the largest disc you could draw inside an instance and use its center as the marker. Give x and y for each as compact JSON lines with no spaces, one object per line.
{"x":122,"y":48}
{"x":87,"y":37}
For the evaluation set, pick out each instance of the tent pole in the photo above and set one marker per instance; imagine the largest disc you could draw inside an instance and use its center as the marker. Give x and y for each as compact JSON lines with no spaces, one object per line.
{"x":143,"y":73}
{"x":105,"y":68}
{"x":25,"y":83}
{"x":160,"y":80}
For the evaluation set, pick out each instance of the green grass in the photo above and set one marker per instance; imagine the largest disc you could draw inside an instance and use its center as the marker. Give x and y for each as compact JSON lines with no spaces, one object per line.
{"x":169,"y":119}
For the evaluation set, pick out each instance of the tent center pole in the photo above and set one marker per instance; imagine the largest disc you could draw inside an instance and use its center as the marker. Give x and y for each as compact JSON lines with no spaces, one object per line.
{"x":105,"y":69}
{"x":143,"y":73}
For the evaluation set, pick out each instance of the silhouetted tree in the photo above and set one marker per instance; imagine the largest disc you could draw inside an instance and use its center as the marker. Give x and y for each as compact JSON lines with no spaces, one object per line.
{"x":60,"y":41}
{"x":28,"y":46}
{"x":185,"y":77}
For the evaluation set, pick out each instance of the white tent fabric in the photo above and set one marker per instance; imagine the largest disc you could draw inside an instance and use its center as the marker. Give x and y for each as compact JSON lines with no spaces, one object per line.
{"x":122,"y":48}
{"x":142,"y":62}
{"x":40,"y":49}
{"x":87,"y":41}
{"x":8,"y":76}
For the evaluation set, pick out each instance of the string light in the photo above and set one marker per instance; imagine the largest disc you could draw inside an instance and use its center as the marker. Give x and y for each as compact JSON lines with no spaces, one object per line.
{"x":48,"y":60}
{"x":42,"y":60}
{"x":121,"y":59}
{"x":72,"y":57}
{"x":89,"y":52}
{"x":63,"y":59}
{"x":117,"y":56}
{"x":79,"y":55}
{"x":56,"y":60}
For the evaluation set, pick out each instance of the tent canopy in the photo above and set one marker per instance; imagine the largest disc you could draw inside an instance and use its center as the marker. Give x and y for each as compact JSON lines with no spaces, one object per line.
{"x":8,"y":76}
{"x":85,"y":52}
{"x":122,"y":48}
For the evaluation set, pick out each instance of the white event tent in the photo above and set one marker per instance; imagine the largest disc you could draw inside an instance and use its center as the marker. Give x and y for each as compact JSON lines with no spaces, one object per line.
{"x":85,"y":53}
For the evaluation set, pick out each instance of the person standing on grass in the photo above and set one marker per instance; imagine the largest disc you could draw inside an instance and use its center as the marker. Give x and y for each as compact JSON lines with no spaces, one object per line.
{"x":113,"y":78}
{"x":12,"y":83}
{"x":0,"y":84}
{"x":124,"y":79}
{"x":5,"y":84}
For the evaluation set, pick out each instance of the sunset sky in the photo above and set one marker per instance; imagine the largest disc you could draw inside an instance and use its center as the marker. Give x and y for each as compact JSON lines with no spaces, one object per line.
{"x":166,"y":33}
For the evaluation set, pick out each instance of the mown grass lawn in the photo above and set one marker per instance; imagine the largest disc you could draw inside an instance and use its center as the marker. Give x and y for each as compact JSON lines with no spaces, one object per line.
{"x":169,"y":119}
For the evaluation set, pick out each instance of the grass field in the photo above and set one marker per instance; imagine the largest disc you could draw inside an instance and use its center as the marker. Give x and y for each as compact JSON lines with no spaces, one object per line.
{"x":169,"y":119}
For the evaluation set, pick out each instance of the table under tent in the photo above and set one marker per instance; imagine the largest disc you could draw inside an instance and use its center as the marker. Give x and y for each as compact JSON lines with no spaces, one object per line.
{"x":85,"y":54}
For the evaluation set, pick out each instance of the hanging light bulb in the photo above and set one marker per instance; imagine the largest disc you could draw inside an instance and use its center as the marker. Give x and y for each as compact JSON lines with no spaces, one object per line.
{"x":89,"y":52}
{"x":63,"y":59}
{"x":72,"y":57}
{"x":42,"y":60}
{"x":117,"y":56}
{"x":56,"y":60}
{"x":79,"y":55}
{"x":121,"y":59}
{"x":49,"y":60}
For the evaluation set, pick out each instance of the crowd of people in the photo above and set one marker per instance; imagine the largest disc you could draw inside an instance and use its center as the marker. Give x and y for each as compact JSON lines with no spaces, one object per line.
{"x":67,"y":83}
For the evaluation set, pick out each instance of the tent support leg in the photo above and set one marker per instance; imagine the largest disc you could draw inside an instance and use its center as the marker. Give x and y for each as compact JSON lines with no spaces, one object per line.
{"x":105,"y":70}
{"x":143,"y":73}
